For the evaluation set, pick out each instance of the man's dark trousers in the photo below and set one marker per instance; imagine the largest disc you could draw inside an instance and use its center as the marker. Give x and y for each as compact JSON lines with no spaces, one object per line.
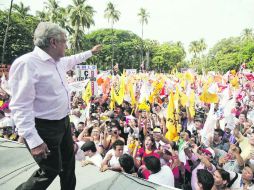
{"x":61,"y":159}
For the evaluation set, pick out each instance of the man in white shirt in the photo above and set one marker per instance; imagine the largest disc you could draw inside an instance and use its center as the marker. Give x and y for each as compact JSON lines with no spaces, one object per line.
{"x":92,"y":156}
{"x":111,"y":160}
{"x":159,"y":175}
{"x":40,"y":105}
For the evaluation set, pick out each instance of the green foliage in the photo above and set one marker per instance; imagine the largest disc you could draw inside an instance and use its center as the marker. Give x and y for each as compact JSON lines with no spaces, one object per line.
{"x":21,"y":9}
{"x":81,"y":16}
{"x":111,"y":13}
{"x":228,"y":54}
{"x":20,"y":35}
{"x":247,"y":53}
{"x":197,"y":47}
{"x":120,"y":46}
{"x":126,"y":48}
{"x":127,"y":51}
{"x":167,"y":56}
{"x":198,"y":61}
{"x":143,"y":16}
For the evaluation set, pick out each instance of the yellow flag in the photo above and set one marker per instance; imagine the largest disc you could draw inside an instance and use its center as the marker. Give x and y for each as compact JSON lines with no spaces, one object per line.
{"x":132,"y":94}
{"x":87,"y":93}
{"x":233,"y":72}
{"x":144,"y":105}
{"x":207,"y":97}
{"x":235,"y":82}
{"x":183,"y":98}
{"x":118,"y":91}
{"x":189,"y":77}
{"x":177,"y":95}
{"x":158,"y":85}
{"x":192,"y":104}
{"x":171,"y":120}
{"x":112,"y":99}
{"x":183,"y":83}
{"x":180,"y":76}
{"x":1,"y":102}
{"x":210,"y":80}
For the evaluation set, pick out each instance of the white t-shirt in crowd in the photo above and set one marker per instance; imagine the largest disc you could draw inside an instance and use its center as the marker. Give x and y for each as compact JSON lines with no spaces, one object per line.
{"x":75,"y":120}
{"x":237,"y":185}
{"x":158,"y":144}
{"x":95,"y":159}
{"x":164,"y":177}
{"x":114,"y":160}
{"x":79,"y":154}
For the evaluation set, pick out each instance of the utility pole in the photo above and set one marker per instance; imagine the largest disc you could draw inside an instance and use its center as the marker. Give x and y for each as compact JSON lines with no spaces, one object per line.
{"x":6,"y":32}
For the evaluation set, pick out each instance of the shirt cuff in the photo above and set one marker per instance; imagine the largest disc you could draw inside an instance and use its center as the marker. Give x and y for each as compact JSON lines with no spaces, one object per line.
{"x":86,"y":55}
{"x":33,"y":140}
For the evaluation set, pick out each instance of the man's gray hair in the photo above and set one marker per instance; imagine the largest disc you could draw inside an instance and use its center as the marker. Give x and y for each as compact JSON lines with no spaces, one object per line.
{"x":45,"y":31}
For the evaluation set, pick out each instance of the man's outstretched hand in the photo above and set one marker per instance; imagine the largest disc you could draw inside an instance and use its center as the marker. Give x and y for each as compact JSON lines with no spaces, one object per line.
{"x":96,"y":49}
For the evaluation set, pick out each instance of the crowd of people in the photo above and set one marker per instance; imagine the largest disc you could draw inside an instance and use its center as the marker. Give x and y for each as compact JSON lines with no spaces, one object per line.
{"x":133,"y":140}
{"x":214,"y":148}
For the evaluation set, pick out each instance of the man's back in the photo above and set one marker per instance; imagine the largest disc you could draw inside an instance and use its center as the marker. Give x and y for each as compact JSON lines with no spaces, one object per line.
{"x":42,"y":80}
{"x":163,"y":177}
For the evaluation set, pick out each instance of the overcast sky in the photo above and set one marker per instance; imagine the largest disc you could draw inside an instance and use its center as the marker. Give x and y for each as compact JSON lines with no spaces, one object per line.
{"x":172,"y":20}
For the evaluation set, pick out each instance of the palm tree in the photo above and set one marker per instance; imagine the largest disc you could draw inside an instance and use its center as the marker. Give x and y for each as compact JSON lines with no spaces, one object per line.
{"x":180,"y":44}
{"x":21,"y":9}
{"x":81,"y":16}
{"x":52,"y":7}
{"x":143,"y":14}
{"x":113,"y":16}
{"x":63,"y":20}
{"x":194,"y":48}
{"x":202,"y":45}
{"x":202,"y":48}
{"x":6,"y":31}
{"x":247,"y":34}
{"x":42,"y":15}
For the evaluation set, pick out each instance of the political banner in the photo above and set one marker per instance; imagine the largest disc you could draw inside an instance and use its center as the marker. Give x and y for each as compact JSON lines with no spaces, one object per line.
{"x":84,"y":72}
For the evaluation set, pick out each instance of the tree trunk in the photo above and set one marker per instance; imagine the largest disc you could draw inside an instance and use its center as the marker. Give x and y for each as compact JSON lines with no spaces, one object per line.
{"x":6,"y":32}
{"x":112,"y":43}
{"x":141,"y":62}
{"x":76,"y":38}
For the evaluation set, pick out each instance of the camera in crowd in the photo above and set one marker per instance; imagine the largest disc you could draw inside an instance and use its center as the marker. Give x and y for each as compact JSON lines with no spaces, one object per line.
{"x":93,"y":107}
{"x":109,"y":129}
{"x":200,"y":113}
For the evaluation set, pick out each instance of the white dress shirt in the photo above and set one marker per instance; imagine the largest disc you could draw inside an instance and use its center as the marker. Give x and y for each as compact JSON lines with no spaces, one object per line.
{"x":164,"y":177}
{"x":95,"y":159}
{"x":39,"y":89}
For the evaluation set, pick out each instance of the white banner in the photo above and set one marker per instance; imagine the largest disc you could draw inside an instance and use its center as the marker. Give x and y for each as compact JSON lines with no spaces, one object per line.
{"x":84,"y":72}
{"x":131,"y":71}
{"x":78,"y":86}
